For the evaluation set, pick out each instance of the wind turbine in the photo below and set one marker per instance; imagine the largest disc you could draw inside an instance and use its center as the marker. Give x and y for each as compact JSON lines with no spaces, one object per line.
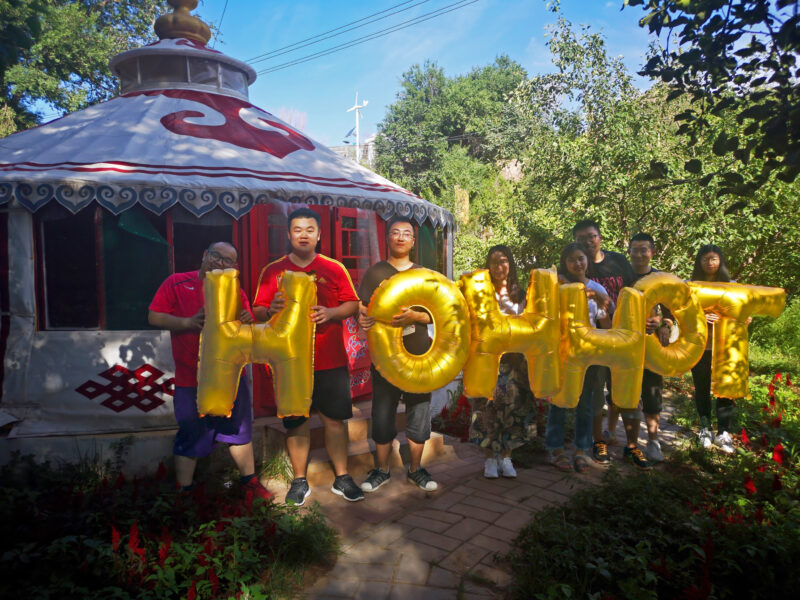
{"x":356,"y":107}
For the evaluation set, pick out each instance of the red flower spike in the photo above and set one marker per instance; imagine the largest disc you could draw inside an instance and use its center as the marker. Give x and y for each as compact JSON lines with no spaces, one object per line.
{"x":749,"y":486}
{"x":771,"y":390}
{"x":762,"y":468}
{"x":777,"y":484}
{"x":212,"y":577}
{"x":161,"y":472}
{"x":764,"y":440}
{"x":745,"y":438}
{"x":778,"y":377}
{"x":133,"y":537}
{"x":776,"y":422}
{"x":192,"y":593}
{"x":115,"y":539}
{"x":779,"y":454}
{"x":163,"y":553}
{"x":772,"y":401}
{"x":202,"y":560}
{"x":788,"y":381}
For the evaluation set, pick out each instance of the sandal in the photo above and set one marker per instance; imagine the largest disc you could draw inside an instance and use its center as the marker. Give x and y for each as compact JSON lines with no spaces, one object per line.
{"x":581,"y":463}
{"x":561,"y":462}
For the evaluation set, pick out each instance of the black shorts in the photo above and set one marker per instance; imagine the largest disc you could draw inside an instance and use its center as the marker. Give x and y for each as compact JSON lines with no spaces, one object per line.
{"x":385,"y":398}
{"x":331,"y":397}
{"x":652,"y":386}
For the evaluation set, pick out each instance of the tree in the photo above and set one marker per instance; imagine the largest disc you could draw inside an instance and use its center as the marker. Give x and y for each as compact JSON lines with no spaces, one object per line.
{"x":54,"y":53}
{"x":735,"y":56}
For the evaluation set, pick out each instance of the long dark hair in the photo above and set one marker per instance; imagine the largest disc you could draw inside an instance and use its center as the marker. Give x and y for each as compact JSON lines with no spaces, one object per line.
{"x":515,"y":292}
{"x":722,"y":272}
{"x":569,"y":249}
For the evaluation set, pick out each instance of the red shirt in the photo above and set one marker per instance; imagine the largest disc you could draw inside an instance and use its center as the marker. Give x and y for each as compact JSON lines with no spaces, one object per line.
{"x":334,"y":287}
{"x":181,"y":295}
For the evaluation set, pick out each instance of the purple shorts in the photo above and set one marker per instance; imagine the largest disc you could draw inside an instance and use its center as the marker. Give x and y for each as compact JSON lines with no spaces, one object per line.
{"x":197,"y":436}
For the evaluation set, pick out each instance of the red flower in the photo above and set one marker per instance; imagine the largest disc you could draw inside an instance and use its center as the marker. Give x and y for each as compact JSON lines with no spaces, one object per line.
{"x":192,"y":593}
{"x":745,"y":438}
{"x":133,"y":536}
{"x":764,"y":440}
{"x":788,"y":381}
{"x":115,"y":539}
{"x":771,"y":390}
{"x":776,"y":422}
{"x":779,"y":454}
{"x":163,"y":549}
{"x":772,"y":401}
{"x":202,"y":560}
{"x":212,"y":577}
{"x":777,"y":484}
{"x":778,"y":377}
{"x":762,"y":468}
{"x":161,"y":472}
{"x":749,"y":486}
{"x":119,"y":481}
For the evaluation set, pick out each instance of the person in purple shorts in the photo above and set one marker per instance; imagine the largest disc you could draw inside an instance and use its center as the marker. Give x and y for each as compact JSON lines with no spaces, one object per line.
{"x":178,"y":307}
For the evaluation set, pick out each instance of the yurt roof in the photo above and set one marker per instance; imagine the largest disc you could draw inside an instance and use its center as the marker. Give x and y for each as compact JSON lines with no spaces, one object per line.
{"x":183,"y":132}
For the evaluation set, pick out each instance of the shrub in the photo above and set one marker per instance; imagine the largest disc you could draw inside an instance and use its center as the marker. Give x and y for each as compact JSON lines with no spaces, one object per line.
{"x":71,"y":532}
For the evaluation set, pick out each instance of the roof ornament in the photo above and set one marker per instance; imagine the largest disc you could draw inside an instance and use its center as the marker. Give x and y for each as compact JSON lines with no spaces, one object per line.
{"x":181,"y":24}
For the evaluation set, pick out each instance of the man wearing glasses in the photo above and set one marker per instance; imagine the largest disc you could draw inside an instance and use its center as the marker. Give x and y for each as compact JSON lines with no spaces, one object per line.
{"x":178,"y":307}
{"x":385,"y":396}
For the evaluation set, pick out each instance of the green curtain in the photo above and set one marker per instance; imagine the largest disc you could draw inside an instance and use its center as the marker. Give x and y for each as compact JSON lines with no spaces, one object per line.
{"x":136,"y":258}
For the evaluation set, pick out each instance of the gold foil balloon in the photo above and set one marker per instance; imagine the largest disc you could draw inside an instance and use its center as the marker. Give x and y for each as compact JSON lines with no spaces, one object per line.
{"x":286,"y":343}
{"x":535,"y":333}
{"x":448,"y":353}
{"x":730,"y":349}
{"x":683,"y":353}
{"x":620,"y":348}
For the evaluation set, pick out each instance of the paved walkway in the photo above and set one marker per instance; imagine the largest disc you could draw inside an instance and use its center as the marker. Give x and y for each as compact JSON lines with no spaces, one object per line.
{"x":402,"y":542}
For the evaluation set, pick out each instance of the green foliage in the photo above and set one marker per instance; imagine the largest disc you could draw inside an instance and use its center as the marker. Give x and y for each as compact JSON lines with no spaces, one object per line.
{"x":706,"y":525}
{"x":783,"y":333}
{"x":56,"y":52}
{"x":75,"y":532}
{"x":738,"y":57}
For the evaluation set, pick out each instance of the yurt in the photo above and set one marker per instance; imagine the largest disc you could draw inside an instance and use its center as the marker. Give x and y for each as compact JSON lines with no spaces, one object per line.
{"x":98,"y":207}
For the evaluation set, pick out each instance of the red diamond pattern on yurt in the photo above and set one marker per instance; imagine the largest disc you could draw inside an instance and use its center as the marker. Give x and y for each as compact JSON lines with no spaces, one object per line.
{"x":126,"y":388}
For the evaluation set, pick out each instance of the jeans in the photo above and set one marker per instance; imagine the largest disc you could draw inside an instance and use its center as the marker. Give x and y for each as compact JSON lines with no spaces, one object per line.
{"x":554,"y":435}
{"x":701,"y":375}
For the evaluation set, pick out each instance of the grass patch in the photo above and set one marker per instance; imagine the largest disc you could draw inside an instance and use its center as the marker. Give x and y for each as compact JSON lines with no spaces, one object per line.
{"x":83,"y":531}
{"x":705,"y":525}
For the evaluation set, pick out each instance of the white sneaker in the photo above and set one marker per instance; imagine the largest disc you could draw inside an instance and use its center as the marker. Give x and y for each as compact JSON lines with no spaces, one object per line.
{"x":490,"y":469}
{"x":653,"y":451}
{"x":706,"y":438}
{"x":508,"y":467}
{"x":725,"y":442}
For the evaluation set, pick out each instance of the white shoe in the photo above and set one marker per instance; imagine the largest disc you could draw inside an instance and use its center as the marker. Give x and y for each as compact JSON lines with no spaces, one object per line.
{"x":725,"y":442}
{"x":653,"y":451}
{"x":490,"y":469}
{"x":706,"y":438}
{"x":508,"y":467}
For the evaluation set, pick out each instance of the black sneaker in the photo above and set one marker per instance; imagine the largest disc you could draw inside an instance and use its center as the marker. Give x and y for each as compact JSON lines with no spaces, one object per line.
{"x":600,"y":453}
{"x":344,"y":486}
{"x":298,"y":492}
{"x":422,"y":479}
{"x":636,"y":456}
{"x":375,"y":479}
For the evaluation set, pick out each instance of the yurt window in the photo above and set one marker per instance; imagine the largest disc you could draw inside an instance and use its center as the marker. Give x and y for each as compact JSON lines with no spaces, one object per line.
{"x":233,"y":79}
{"x":203,"y":71}
{"x":68,"y":268}
{"x":191,"y":235}
{"x":164,"y":69}
{"x":128,"y":72}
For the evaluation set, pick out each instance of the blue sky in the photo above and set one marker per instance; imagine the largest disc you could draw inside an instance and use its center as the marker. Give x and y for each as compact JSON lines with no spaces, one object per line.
{"x":315,"y":95}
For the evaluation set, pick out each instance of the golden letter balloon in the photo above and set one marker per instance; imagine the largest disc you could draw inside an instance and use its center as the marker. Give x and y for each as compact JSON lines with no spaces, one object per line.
{"x":535,"y":333}
{"x":448,"y":353}
{"x":683,"y":354}
{"x":730,"y":348}
{"x":621,"y":348}
{"x":286,"y":343}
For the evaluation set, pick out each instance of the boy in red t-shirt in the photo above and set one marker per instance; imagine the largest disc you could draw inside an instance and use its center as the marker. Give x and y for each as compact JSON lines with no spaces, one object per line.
{"x":178,"y":307}
{"x":337,"y":300}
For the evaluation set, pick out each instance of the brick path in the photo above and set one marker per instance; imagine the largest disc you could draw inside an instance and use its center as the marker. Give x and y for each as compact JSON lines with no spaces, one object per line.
{"x":402,"y":542}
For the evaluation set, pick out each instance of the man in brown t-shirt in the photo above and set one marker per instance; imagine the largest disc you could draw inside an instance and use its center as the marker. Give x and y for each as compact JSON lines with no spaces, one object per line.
{"x":386,"y":396}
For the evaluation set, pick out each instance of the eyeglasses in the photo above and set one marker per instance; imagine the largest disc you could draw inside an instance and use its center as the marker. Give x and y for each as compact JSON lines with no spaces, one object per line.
{"x":587,"y":237}
{"x":224,"y":261}
{"x":403,"y":235}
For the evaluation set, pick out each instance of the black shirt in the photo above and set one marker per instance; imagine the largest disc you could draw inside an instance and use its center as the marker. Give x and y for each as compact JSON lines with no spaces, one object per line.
{"x":417,"y":342}
{"x":614,"y":272}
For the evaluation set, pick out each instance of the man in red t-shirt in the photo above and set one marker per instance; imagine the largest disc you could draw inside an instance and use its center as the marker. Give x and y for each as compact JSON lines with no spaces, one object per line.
{"x":178,"y":307}
{"x":337,"y":300}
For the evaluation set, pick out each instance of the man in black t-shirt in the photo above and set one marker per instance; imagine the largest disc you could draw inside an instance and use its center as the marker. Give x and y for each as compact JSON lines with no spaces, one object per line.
{"x":385,"y":396}
{"x":613,"y":271}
